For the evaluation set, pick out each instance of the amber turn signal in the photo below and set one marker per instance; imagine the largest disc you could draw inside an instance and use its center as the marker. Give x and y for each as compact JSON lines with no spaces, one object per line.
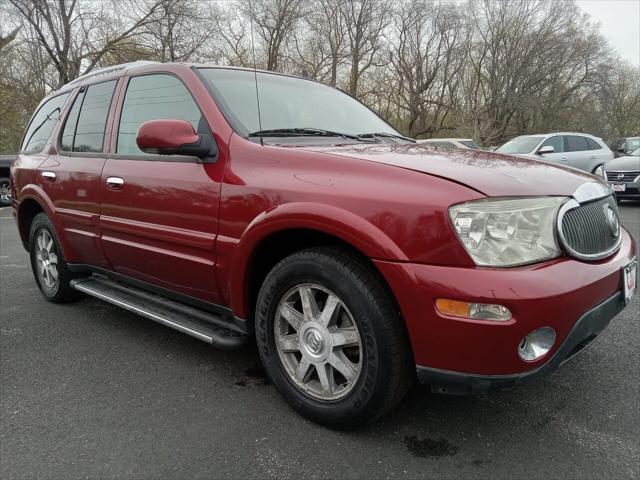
{"x":476,"y":311}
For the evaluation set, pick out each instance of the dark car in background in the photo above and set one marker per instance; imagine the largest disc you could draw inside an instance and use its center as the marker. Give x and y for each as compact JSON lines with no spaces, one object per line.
{"x":5,"y":184}
{"x":625,"y":146}
{"x":623,"y":173}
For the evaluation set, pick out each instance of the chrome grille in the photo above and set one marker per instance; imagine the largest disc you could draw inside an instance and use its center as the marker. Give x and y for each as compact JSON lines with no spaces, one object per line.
{"x":591,"y":230}
{"x":626,"y":176}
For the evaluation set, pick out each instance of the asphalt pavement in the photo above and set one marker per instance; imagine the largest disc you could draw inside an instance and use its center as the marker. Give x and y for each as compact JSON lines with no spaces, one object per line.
{"x":90,"y":391}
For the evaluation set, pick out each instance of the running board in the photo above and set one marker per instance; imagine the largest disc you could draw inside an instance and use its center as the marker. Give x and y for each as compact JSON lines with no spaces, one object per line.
{"x":197,"y":323}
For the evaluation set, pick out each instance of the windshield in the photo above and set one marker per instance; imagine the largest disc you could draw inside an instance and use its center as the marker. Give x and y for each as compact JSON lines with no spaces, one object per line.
{"x":520,"y":145}
{"x":633,"y":144}
{"x":288,"y":103}
{"x":636,"y":153}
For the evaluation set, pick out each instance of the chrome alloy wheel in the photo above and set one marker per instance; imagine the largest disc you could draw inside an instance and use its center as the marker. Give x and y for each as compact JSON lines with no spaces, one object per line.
{"x":47,"y":259}
{"x":318,"y":342}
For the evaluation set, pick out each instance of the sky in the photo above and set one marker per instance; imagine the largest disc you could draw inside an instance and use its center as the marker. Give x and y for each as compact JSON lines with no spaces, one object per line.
{"x":620,"y":22}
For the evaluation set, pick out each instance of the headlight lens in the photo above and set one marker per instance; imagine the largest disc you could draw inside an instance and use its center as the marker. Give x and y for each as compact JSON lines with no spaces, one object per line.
{"x":506,"y":233}
{"x":599,"y":171}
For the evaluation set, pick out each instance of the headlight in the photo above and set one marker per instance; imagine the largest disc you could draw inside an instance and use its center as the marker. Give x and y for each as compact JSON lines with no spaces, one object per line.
{"x":599,"y":171}
{"x":506,"y":233}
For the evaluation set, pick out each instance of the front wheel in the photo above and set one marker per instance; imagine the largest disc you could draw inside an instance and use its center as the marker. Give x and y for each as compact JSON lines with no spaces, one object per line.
{"x":331,"y":338}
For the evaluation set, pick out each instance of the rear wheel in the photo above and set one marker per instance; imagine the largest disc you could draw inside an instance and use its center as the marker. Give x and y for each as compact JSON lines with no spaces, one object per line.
{"x":49,"y":267}
{"x":331,"y":338}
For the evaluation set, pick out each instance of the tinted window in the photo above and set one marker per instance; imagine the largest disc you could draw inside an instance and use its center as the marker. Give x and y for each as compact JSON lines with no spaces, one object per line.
{"x":576,"y":144}
{"x":70,"y":125}
{"x":93,"y":117}
{"x":40,"y":127}
{"x":85,"y":125}
{"x":152,"y":97}
{"x":593,"y":145}
{"x":555,"y":142}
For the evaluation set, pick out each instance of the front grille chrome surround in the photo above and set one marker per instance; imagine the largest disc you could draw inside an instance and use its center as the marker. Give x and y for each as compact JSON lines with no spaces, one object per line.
{"x":584,"y":227}
{"x":623,"y":177}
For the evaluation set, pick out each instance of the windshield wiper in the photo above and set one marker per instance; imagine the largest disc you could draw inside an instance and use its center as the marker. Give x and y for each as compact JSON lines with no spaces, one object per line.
{"x":301,"y":132}
{"x":385,"y":134}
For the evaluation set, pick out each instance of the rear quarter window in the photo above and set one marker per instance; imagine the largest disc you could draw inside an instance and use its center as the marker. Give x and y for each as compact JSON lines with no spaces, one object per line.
{"x":42,"y":123}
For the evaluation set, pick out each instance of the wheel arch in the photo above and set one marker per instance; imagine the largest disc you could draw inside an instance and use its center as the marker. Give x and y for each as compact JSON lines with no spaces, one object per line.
{"x":293,"y":227}
{"x":32,"y":201}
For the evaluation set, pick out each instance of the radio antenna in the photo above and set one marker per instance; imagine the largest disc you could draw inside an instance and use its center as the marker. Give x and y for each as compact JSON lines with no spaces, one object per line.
{"x":255,"y":76}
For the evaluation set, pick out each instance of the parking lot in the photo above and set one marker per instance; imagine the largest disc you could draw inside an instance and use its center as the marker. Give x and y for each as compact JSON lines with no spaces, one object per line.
{"x":89,"y":390}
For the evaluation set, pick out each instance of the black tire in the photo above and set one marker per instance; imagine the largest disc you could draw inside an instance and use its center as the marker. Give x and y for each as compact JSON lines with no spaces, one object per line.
{"x":387,"y":369}
{"x":60,"y":291}
{"x":5,"y":192}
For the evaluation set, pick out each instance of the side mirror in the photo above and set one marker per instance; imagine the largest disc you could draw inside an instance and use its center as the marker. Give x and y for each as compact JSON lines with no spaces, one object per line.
{"x":175,"y":137}
{"x":546,"y":149}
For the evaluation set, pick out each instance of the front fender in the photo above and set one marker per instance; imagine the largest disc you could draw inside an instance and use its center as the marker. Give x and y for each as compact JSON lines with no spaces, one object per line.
{"x":330,"y":220}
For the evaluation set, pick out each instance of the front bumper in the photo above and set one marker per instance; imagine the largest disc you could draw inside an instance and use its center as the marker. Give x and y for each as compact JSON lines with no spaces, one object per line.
{"x":556,"y":293}
{"x":586,"y":330}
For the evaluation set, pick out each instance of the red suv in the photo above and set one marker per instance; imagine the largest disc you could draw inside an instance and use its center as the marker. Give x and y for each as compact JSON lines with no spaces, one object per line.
{"x":231,"y":204}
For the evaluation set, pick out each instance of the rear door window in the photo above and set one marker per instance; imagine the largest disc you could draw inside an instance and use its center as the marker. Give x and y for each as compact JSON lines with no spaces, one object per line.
{"x":86,"y":122}
{"x":42,"y":123}
{"x":152,"y":97}
{"x":576,"y":144}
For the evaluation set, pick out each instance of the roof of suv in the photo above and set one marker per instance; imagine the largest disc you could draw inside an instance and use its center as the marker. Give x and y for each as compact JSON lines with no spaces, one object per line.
{"x":115,"y":71}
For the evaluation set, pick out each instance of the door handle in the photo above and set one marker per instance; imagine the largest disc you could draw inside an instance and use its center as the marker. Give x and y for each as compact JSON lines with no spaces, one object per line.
{"x":115,"y":183}
{"x":48,"y":176}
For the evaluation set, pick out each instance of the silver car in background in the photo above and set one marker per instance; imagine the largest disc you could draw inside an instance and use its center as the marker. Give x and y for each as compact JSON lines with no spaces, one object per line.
{"x":465,"y":143}
{"x":577,"y":150}
{"x":623,"y":173}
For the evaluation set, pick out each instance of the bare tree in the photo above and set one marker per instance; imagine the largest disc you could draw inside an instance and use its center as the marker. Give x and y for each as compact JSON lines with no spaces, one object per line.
{"x":180,"y":28}
{"x":6,"y":39}
{"x":76,"y":35}
{"x":427,"y":59}
{"x":365,"y":22}
{"x":274,"y":22}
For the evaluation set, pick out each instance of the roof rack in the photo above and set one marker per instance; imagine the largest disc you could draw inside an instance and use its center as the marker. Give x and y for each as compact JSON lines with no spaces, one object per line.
{"x":113,"y":68}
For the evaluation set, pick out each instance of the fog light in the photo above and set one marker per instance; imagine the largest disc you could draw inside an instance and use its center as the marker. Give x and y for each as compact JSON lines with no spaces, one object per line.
{"x":476,"y":311}
{"x":537,"y":344}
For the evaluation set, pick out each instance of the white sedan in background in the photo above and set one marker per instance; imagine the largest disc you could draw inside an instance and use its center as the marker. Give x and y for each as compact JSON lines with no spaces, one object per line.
{"x":578,"y":150}
{"x":466,"y":143}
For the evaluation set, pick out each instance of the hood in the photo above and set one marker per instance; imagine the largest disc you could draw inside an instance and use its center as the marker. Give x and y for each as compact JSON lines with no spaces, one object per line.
{"x":489,"y":173}
{"x":621,"y":164}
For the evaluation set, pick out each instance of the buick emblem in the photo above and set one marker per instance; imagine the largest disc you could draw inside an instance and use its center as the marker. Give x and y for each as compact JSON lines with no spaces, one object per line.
{"x":612,"y":221}
{"x":620,"y":176}
{"x":314,"y":341}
